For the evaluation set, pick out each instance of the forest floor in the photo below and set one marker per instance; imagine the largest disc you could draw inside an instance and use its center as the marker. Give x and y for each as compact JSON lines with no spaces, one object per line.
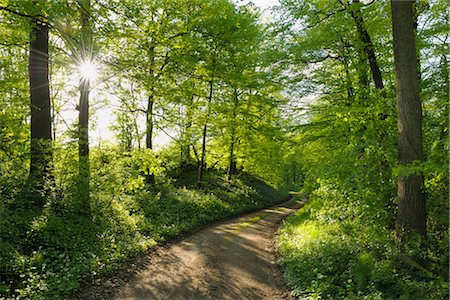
{"x":235,"y":259}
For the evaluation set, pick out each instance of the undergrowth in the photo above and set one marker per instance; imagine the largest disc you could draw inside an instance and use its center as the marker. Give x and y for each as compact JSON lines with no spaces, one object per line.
{"x":356,"y":259}
{"x":47,"y":253}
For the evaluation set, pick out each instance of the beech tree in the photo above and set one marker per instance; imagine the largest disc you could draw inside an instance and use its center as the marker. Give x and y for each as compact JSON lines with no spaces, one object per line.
{"x":411,"y":215}
{"x":40,"y":171}
{"x":86,"y":58}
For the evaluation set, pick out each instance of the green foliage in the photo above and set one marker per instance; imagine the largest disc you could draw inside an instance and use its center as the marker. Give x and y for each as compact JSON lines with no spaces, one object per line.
{"x":47,"y":253}
{"x":342,"y":245}
{"x":340,"y":150}
{"x":354,"y":260}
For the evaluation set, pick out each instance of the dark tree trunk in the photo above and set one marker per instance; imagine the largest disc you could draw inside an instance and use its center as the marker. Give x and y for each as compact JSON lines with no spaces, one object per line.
{"x":83,"y":118}
{"x":150,"y":178}
{"x":41,"y":121}
{"x":201,"y":167}
{"x":149,"y":116}
{"x":83,"y":149}
{"x":361,"y":68}
{"x":185,"y":147}
{"x":411,"y":215}
{"x":368,"y":47}
{"x":232,"y":162}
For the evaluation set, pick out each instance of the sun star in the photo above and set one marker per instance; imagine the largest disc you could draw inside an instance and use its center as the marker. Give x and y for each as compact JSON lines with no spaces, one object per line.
{"x":88,"y":70}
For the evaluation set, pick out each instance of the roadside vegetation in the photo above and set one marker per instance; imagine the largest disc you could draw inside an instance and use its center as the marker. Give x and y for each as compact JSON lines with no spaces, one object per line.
{"x":345,"y":100}
{"x":47,"y":253}
{"x":367,"y":231}
{"x":328,"y":256}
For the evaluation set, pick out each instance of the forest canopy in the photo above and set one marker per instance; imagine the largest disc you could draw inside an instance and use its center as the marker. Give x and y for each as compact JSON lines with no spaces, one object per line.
{"x":212,"y":111}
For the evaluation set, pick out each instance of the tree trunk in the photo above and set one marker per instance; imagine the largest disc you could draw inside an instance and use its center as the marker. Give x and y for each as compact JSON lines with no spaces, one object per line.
{"x":361,"y":68}
{"x":411,"y":215}
{"x":201,"y":166}
{"x":232,"y":162}
{"x":185,"y":147}
{"x":41,"y":121}
{"x":149,"y":178}
{"x":368,"y":47}
{"x":149,"y":116}
{"x":83,"y":117}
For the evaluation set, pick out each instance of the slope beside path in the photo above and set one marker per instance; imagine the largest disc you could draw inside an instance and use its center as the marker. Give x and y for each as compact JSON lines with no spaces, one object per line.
{"x":230,"y":260}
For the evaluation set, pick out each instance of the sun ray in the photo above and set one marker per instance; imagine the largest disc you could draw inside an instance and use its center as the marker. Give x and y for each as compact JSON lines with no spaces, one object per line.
{"x":88,"y":70}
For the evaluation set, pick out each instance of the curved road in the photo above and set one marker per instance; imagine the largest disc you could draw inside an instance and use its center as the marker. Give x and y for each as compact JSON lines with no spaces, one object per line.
{"x":231,"y":260}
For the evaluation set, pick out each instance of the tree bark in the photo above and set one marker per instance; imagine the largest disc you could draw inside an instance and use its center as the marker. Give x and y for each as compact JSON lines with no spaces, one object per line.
{"x":150,"y":178}
{"x":368,"y":47}
{"x":411,"y":215}
{"x":232,"y":162}
{"x":185,"y":147}
{"x":83,"y":118}
{"x":41,"y":121}
{"x":149,"y":116}
{"x":201,"y":167}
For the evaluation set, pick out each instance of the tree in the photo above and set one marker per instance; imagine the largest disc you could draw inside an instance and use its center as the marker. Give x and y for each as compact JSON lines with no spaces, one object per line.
{"x":151,"y":36}
{"x":86,"y":54}
{"x":41,"y":120}
{"x":411,"y":215}
{"x":367,"y":44}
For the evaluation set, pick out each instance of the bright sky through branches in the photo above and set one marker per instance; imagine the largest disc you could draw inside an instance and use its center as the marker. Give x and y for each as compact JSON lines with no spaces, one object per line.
{"x":264,"y":4}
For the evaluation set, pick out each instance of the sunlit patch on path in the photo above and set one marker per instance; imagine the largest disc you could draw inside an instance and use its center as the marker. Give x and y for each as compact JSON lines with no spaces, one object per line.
{"x":232,"y":260}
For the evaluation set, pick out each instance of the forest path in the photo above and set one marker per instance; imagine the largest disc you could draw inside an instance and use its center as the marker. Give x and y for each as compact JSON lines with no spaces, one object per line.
{"x":234,"y":259}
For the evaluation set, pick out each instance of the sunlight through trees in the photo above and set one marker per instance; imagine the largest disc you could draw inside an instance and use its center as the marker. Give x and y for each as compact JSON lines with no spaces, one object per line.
{"x":329,"y":98}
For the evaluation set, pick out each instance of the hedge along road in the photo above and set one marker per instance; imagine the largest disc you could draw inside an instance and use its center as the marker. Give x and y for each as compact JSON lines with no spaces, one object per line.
{"x":229,"y":260}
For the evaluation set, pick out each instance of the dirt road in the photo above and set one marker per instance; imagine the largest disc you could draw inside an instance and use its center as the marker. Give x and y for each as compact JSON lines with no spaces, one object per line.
{"x":231,"y":260}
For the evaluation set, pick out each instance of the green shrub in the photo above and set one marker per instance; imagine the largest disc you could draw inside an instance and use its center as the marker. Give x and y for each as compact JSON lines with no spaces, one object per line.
{"x":354,"y":260}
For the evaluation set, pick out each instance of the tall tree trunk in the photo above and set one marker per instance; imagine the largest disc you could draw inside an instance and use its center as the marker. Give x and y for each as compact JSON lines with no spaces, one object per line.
{"x":367,"y":47}
{"x":150,"y":178}
{"x":361,"y":68}
{"x":185,"y":147}
{"x":149,"y":117}
{"x":41,"y":121}
{"x":83,"y":117}
{"x":137,"y":133}
{"x":411,"y":215}
{"x":201,"y":167}
{"x":232,"y":162}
